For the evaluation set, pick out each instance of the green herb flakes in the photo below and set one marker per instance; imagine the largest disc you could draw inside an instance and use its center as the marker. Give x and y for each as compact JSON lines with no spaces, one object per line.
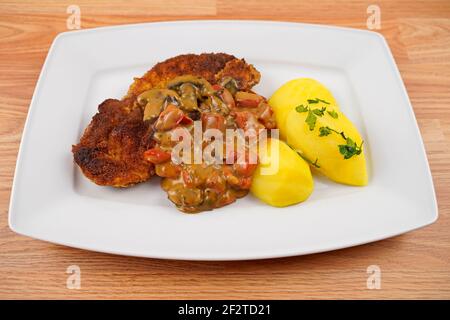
{"x":333,"y":114}
{"x":324,"y":131}
{"x":350,"y":149}
{"x":301,"y":108}
{"x":314,"y":164}
{"x":317,"y":100}
{"x":319,"y":112}
{"x":311,"y":120}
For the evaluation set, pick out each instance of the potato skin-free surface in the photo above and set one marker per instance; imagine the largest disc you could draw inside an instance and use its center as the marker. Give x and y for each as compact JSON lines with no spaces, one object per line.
{"x":294,"y":93}
{"x":290,"y":184}
{"x":325,"y":149}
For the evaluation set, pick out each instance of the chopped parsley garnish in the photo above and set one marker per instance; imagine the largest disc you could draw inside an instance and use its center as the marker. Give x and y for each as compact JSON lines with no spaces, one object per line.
{"x":319,"y":112}
{"x":314,"y":164}
{"x":311,"y":120}
{"x":317,"y":100}
{"x":314,"y":113}
{"x":333,"y":114}
{"x":301,"y":108}
{"x":324,"y":131}
{"x":350,"y":149}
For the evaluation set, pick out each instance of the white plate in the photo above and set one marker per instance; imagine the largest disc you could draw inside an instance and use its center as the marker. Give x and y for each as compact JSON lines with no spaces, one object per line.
{"x":51,"y":200}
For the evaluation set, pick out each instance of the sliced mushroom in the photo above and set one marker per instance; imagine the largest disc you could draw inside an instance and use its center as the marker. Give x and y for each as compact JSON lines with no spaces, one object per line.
{"x":203,"y":86}
{"x":153,"y":101}
{"x":230,"y":84}
{"x":188,"y":94}
{"x":214,"y":104}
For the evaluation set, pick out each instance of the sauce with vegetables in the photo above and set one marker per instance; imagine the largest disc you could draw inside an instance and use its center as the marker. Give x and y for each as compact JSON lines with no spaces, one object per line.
{"x":204,"y":186}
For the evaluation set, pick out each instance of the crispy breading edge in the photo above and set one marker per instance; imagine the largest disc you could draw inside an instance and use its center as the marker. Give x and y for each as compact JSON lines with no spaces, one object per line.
{"x":210,"y":66}
{"x":245,"y":74}
{"x":110,"y":150}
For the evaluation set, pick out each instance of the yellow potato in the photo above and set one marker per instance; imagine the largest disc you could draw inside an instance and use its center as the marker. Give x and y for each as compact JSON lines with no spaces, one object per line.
{"x":294,"y":93}
{"x":295,"y":130}
{"x":328,"y":150}
{"x":282,"y":177}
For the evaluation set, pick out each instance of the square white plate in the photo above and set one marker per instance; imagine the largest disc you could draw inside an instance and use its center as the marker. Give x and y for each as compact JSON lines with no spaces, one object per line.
{"x":51,"y":200}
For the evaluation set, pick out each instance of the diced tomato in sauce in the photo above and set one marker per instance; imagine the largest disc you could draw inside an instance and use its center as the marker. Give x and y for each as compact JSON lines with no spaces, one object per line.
{"x":170,"y":118}
{"x":213,"y":121}
{"x":248,"y":99}
{"x":156,"y":155}
{"x":198,"y":187}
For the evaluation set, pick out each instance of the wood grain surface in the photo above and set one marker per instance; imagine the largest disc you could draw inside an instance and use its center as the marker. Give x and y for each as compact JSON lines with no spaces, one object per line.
{"x":413,"y":265}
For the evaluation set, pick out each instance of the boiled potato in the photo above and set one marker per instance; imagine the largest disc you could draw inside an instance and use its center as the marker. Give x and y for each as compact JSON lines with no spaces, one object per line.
{"x":311,"y":122}
{"x":294,"y":93}
{"x":329,"y":150}
{"x":282,"y":177}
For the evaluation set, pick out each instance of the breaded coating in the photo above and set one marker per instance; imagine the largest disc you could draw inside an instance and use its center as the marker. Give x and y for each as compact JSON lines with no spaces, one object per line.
{"x":210,"y":66}
{"x":245,"y":74}
{"x":110,"y":152}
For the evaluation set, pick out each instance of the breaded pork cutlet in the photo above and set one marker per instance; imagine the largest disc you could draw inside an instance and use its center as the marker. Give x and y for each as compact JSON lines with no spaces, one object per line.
{"x":110,"y":152}
{"x":213,"y":67}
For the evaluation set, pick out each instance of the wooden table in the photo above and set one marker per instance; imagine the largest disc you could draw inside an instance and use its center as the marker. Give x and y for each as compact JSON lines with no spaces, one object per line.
{"x":413,"y":265}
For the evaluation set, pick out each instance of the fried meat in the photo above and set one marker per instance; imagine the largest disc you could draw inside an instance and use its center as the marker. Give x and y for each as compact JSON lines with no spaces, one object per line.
{"x":111,"y":149}
{"x":213,"y":67}
{"x":110,"y":152}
